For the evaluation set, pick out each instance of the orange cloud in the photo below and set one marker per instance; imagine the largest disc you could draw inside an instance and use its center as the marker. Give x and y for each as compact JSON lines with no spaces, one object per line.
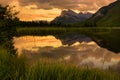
{"x":32,"y":13}
{"x":49,"y":9}
{"x":29,"y":17}
{"x":67,"y":4}
{"x":38,"y":14}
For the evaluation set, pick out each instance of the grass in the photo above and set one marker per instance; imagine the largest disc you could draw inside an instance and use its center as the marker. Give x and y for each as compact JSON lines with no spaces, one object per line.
{"x":16,"y":68}
{"x":47,"y":31}
{"x":11,"y":67}
{"x":62,"y":30}
{"x":66,"y":72}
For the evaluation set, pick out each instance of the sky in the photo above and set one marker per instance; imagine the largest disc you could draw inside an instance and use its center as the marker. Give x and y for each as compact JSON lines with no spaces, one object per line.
{"x":49,"y":9}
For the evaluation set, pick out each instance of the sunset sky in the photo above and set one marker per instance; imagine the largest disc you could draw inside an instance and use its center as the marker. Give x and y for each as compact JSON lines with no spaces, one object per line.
{"x":49,"y":9}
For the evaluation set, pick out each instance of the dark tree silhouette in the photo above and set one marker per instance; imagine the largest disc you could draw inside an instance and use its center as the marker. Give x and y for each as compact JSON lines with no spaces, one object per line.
{"x":8,"y":22}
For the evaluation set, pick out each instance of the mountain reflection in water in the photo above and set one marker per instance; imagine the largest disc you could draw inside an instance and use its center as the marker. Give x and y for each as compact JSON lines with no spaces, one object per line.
{"x":79,"y":53}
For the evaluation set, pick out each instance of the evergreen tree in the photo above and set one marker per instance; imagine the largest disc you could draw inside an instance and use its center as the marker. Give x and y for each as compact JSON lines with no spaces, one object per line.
{"x":8,"y":22}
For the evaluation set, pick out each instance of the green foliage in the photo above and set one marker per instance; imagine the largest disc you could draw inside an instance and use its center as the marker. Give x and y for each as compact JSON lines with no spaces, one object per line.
{"x":107,"y":16}
{"x":112,"y":18}
{"x":89,"y":23}
{"x":8,"y":22}
{"x":11,"y":67}
{"x":63,"y":72}
{"x":16,"y":68}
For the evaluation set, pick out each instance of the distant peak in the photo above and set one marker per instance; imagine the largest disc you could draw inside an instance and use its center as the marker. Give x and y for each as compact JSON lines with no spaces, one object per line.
{"x":67,"y":12}
{"x":85,"y":13}
{"x":70,"y":10}
{"x":69,"y":16}
{"x":80,"y":12}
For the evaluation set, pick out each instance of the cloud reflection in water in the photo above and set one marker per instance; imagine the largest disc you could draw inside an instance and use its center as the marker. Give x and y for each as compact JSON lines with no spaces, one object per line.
{"x":84,"y":53}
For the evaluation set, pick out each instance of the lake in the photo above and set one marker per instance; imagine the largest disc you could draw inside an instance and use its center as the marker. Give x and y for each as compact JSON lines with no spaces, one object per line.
{"x":107,"y":37}
{"x":76,"y":49}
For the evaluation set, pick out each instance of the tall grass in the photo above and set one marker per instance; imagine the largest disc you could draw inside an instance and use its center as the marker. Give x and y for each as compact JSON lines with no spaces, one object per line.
{"x":16,"y":68}
{"x":64,"y":72}
{"x":11,"y":66}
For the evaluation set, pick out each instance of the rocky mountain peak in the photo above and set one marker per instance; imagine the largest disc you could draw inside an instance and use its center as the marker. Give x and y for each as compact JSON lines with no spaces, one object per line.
{"x":68,"y":12}
{"x":69,"y":17}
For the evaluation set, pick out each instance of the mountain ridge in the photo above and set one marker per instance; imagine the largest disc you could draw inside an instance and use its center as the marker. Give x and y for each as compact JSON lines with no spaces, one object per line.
{"x":107,"y":16}
{"x":69,"y":17}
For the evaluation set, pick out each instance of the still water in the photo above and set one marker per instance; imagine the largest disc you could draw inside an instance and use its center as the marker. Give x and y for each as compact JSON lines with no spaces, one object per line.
{"x":85,"y":52}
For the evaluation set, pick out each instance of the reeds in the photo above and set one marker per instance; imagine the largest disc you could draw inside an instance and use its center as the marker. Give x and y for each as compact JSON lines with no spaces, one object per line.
{"x":16,"y":68}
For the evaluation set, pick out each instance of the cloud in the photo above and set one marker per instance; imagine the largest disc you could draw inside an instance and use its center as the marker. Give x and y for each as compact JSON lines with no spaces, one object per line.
{"x":49,"y":9}
{"x":5,"y":2}
{"x":82,"y":5}
{"x":38,"y":14}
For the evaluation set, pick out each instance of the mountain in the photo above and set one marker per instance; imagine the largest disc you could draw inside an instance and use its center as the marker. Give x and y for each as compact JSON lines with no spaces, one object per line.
{"x":108,"y":15}
{"x":69,"y":17}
